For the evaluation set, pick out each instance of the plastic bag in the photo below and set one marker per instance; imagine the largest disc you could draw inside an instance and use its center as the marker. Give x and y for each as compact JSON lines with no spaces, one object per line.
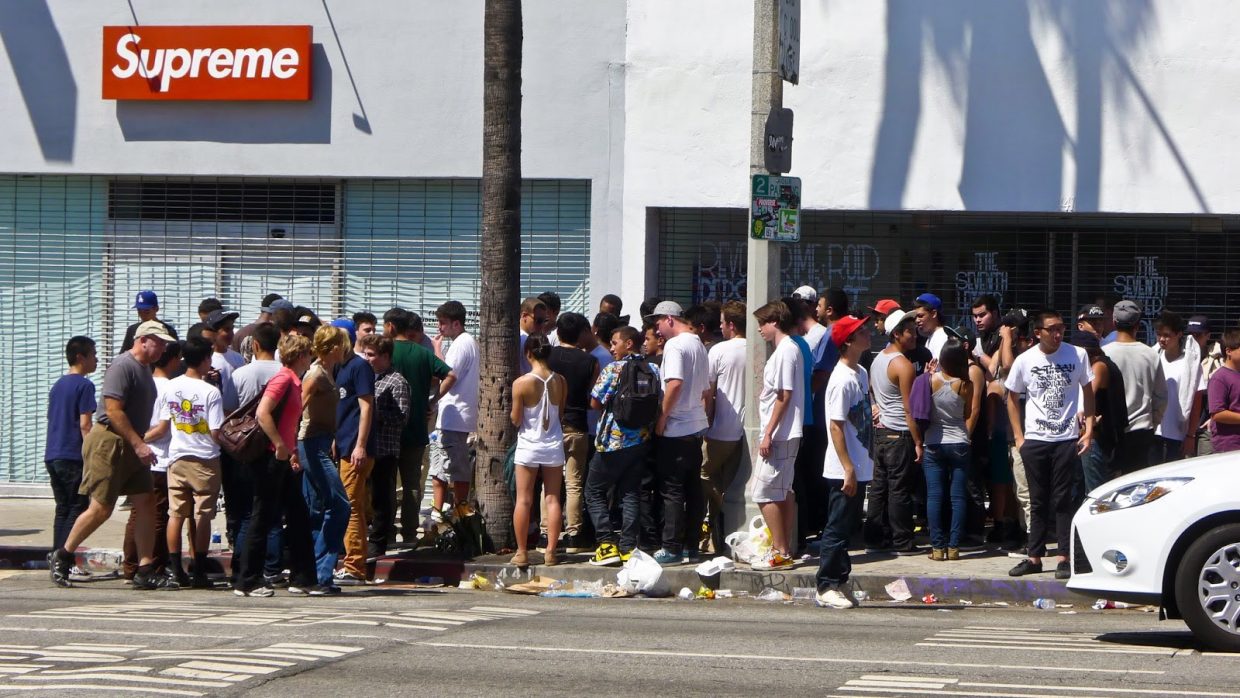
{"x":642,"y":575}
{"x":750,"y":543}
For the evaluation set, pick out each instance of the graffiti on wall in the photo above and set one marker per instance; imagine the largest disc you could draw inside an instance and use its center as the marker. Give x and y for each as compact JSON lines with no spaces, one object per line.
{"x":1148,"y":287}
{"x":720,"y":272}
{"x":985,"y":278}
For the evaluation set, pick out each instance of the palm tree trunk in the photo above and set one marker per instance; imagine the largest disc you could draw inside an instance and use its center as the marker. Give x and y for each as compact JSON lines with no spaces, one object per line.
{"x":501,"y":258}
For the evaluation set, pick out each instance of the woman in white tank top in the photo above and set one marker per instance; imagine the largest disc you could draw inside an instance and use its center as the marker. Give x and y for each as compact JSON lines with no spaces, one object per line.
{"x":537,"y":403}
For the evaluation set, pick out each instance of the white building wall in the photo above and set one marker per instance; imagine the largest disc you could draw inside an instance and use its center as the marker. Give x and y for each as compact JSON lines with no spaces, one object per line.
{"x":397,"y":93}
{"x":982,"y":105}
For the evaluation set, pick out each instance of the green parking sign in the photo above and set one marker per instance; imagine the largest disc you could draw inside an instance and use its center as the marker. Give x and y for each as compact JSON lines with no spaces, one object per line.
{"x":775,"y":208}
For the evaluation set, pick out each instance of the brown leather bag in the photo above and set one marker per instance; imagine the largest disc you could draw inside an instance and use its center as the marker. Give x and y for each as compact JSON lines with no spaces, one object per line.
{"x":241,"y":436}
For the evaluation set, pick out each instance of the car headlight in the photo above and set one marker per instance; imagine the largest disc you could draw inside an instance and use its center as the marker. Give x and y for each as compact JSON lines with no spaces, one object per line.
{"x":1136,"y":494}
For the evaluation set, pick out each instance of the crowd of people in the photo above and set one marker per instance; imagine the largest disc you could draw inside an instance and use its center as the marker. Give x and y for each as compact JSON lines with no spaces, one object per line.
{"x":886,"y":425}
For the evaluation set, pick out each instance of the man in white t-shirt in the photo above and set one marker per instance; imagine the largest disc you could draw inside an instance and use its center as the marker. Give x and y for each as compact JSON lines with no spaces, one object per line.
{"x":848,"y":464}
{"x":724,"y":445}
{"x":1176,"y":434}
{"x":678,"y":443}
{"x":1055,"y":379}
{"x":781,"y":407}
{"x":191,"y":413}
{"x":457,"y":408}
{"x":929,"y":314}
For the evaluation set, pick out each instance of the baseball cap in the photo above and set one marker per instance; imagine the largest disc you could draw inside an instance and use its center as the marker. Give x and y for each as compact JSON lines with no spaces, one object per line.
{"x":806,"y":293}
{"x":886,"y":306}
{"x":268,"y":300}
{"x":962,"y":334}
{"x":1091,"y":312}
{"x":153,"y":328}
{"x":844,"y":328}
{"x":894,"y":319}
{"x":668,"y":308}
{"x":1126,"y":312}
{"x":347,"y":325}
{"x":1198,"y":324}
{"x":146,"y":300}
{"x":930,"y":300}
{"x":282,"y":304}
{"x":218,"y":318}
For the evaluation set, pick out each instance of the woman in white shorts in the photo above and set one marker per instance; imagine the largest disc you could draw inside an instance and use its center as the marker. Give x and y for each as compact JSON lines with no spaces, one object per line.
{"x":537,"y":403}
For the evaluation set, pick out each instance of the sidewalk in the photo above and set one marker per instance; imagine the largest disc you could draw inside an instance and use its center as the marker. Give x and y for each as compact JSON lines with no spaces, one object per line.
{"x":25,"y":535}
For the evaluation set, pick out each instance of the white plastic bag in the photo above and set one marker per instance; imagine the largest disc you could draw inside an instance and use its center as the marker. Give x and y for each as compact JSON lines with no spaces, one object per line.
{"x":750,"y":543}
{"x":642,"y":575}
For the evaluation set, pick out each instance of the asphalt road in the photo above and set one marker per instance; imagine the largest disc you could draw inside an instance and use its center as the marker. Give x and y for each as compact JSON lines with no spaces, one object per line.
{"x":401,"y":641}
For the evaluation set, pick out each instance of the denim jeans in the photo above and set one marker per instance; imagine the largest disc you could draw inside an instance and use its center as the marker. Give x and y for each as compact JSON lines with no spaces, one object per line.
{"x":1096,"y":466}
{"x":947,"y":474}
{"x":327,"y":505}
{"x":843,"y":518}
{"x":889,"y":516}
{"x":66,"y":478}
{"x":620,"y":471}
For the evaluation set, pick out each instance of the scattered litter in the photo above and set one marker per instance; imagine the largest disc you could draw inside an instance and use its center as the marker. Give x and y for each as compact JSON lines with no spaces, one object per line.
{"x":642,"y":575}
{"x":929,"y":598}
{"x":944,"y":610}
{"x":715,"y":566}
{"x":592,"y":588}
{"x":723,"y":594}
{"x":769,"y":594}
{"x":1065,"y":605}
{"x":1067,"y":613}
{"x":804,"y":593}
{"x":685,"y":593}
{"x":1001,"y":603}
{"x":751,"y":542}
{"x":480,"y":582}
{"x":898,"y":590}
{"x":535,"y":586}
{"x":611,"y":591}
{"x":1102,"y":604}
{"x":706,"y":593}
{"x":965,"y":602}
{"x":860,"y":595}
{"x":1044,"y":604}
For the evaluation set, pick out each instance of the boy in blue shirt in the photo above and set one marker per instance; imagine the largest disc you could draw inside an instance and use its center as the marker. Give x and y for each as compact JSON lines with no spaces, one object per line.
{"x":70,"y":407}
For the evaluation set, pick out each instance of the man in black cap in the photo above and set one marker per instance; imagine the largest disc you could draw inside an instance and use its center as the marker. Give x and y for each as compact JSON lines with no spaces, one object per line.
{"x":1091,"y":319}
{"x":239,"y":343}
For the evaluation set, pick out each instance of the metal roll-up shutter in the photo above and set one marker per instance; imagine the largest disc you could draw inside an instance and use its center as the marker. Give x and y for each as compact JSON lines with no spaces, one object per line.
{"x":1182,"y":263}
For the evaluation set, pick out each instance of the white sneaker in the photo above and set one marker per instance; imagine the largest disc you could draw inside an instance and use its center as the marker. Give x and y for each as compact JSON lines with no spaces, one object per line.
{"x":833,"y":598}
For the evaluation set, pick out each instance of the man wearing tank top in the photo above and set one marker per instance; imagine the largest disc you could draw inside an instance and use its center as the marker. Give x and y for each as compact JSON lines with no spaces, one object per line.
{"x":897,"y":442}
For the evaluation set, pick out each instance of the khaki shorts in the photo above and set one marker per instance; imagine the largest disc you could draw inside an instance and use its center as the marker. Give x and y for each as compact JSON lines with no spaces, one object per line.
{"x":450,"y":461}
{"x":773,"y":476}
{"x":110,"y":468}
{"x":193,"y":486}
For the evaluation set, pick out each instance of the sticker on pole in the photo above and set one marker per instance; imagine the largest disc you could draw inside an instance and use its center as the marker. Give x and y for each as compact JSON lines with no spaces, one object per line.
{"x":775,"y":209}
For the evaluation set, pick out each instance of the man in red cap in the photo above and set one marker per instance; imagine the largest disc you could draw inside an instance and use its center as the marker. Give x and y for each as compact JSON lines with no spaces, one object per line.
{"x":848,"y":464}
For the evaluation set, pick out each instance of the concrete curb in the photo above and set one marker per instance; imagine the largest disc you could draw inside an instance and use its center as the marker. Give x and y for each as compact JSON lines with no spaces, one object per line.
{"x":948,"y":590}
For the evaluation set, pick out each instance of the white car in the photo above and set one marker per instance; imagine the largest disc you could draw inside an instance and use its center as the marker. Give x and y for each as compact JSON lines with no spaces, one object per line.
{"x":1168,"y":536}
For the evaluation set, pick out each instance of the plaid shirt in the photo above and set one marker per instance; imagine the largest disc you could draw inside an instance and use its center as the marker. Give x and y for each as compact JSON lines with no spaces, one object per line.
{"x":391,"y":412}
{"x":611,"y":436}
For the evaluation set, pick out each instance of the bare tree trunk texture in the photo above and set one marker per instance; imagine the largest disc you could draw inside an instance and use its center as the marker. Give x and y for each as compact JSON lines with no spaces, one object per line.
{"x":501,"y":259}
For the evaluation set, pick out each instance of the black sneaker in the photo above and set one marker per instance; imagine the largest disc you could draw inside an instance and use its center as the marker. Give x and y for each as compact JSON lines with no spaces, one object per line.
{"x":154,"y":581}
{"x":178,"y":575}
{"x":275,"y":581}
{"x":326,"y":590}
{"x":59,"y":568}
{"x":201,"y":581}
{"x":1063,"y":570}
{"x":972,"y":544}
{"x":910,"y":549}
{"x":576,"y":544}
{"x":1026,"y":566}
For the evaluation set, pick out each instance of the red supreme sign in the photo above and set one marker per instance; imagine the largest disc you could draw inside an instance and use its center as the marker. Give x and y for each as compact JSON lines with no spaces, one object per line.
{"x":207,"y":63}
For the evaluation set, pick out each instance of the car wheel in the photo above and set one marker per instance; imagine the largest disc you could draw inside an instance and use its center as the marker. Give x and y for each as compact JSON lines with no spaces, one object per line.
{"x":1207,"y":587}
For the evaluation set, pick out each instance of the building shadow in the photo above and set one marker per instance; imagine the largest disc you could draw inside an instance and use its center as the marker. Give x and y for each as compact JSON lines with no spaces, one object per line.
{"x":44,"y":78}
{"x":236,"y":122}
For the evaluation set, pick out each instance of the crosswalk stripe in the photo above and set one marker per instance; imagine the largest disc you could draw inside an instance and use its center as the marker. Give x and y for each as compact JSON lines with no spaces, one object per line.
{"x":410,"y":626}
{"x":101,"y":687}
{"x":203,"y":674}
{"x":107,"y":675}
{"x":231,"y":667}
{"x":243,"y":656}
{"x":508,"y":611}
{"x":1099,"y":650}
{"x":342,"y":649}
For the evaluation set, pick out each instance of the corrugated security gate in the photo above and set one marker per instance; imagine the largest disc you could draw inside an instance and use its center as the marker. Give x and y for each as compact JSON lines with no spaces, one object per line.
{"x":74,"y":251}
{"x":1182,"y":263}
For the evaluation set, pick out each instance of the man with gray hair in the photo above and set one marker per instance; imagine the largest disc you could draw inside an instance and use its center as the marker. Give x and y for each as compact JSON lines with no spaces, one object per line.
{"x":1145,"y":388}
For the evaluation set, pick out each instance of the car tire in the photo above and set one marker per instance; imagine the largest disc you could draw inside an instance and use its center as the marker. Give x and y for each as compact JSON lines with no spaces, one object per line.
{"x":1217,"y":550}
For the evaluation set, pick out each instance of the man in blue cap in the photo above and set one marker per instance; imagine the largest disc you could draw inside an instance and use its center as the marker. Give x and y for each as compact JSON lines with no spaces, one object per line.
{"x":147,"y":305}
{"x":929,"y":314}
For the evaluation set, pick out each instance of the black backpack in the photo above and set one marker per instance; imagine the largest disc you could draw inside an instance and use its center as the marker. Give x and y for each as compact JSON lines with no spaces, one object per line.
{"x":638,"y":394}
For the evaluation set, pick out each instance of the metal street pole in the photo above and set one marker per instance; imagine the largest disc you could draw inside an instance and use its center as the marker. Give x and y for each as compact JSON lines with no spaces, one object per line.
{"x":762,"y":277}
